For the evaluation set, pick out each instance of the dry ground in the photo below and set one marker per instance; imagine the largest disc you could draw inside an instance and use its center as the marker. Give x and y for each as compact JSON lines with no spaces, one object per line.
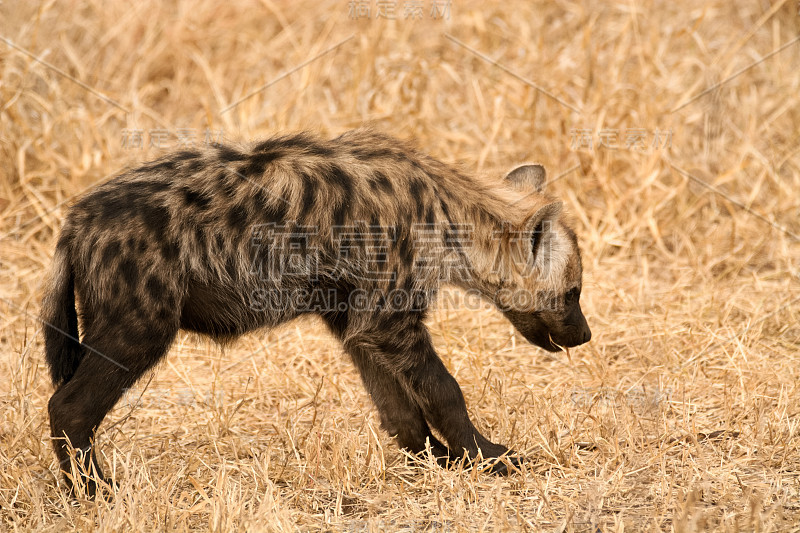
{"x":682,"y":414}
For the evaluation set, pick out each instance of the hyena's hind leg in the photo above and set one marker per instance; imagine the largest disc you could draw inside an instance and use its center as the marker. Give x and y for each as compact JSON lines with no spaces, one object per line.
{"x":116,"y":352}
{"x":400,"y":415}
{"x":402,"y":345}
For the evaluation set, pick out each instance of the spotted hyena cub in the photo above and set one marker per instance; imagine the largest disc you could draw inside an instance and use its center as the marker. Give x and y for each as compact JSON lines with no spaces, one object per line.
{"x":361,"y":230}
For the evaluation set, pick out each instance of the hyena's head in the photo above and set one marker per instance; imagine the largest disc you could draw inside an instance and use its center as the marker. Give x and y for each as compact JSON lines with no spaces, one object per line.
{"x":543,"y":299}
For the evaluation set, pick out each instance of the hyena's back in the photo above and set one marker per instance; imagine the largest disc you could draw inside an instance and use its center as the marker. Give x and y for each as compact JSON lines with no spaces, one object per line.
{"x":169,"y":244}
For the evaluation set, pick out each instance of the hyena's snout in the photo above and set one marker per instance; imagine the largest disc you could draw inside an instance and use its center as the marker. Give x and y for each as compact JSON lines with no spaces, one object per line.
{"x":574,"y":329}
{"x":552,"y":330}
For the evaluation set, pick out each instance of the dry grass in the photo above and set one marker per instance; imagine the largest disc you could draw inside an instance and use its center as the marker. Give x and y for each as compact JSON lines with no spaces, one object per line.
{"x":682,"y":414}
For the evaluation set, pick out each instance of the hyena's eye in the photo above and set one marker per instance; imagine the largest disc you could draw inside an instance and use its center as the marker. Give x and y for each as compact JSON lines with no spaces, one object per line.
{"x":536,"y":238}
{"x":572,"y":296}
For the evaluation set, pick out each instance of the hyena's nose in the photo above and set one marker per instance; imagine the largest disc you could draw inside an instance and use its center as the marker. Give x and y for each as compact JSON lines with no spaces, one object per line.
{"x":581,"y":332}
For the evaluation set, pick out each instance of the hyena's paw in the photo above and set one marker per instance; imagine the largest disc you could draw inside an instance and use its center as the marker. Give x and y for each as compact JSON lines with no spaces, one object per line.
{"x":440,"y":453}
{"x":499,"y":461}
{"x":106,"y":489}
{"x":496,"y":459}
{"x":93,"y":489}
{"x":506,"y":465}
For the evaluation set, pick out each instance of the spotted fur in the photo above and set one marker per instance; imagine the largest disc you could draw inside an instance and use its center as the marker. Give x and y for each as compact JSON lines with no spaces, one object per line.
{"x":228,"y":239}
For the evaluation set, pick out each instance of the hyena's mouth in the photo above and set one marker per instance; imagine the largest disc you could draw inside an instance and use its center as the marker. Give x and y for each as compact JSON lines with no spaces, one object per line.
{"x":545,"y":341}
{"x":550,"y":335}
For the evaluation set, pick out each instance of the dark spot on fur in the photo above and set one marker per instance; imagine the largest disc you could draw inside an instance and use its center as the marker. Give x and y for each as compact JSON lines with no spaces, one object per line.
{"x":310,"y":186}
{"x":445,"y":209}
{"x":237,"y":218}
{"x":404,"y":246}
{"x":374,"y":223}
{"x":344,"y":182}
{"x":200,"y":236}
{"x":183,"y":155}
{"x":341,"y":179}
{"x":298,"y":243}
{"x":258,"y":202}
{"x":111,"y":205}
{"x":417,"y":191}
{"x":111,"y":252}
{"x":366,"y":154}
{"x":169,"y":250}
{"x":318,"y":150}
{"x":155,"y":287}
{"x":228,"y":154}
{"x":165,"y":313}
{"x":307,"y":144}
{"x":273,"y":210}
{"x":455,"y":237}
{"x":383,"y":183}
{"x":196,"y":199}
{"x":156,"y":218}
{"x":227,"y":185}
{"x":340,"y":212}
{"x":230,"y":267}
{"x":257,"y":163}
{"x":130,"y":272}
{"x":158,"y":166}
{"x":266,"y":146}
{"x":381,"y":237}
{"x":196,"y":165}
{"x":430,"y":217}
{"x":267,"y":207}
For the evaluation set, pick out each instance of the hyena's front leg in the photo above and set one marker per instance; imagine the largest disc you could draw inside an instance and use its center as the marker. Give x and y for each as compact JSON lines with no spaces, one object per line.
{"x":400,"y":415}
{"x":403,"y":349}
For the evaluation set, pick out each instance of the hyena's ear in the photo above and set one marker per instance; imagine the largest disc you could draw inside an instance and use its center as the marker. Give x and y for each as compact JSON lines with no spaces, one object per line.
{"x":539,"y":226}
{"x":528,"y":177}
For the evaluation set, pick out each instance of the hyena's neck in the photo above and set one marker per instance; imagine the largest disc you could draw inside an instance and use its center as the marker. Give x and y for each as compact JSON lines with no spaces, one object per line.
{"x":482,"y":231}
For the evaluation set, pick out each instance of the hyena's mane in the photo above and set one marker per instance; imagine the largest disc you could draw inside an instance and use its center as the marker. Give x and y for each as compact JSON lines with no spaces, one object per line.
{"x":419,"y":189}
{"x":366,"y":179}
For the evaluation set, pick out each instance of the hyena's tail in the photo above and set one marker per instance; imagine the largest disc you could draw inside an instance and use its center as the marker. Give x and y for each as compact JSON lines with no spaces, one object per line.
{"x":63,"y":351}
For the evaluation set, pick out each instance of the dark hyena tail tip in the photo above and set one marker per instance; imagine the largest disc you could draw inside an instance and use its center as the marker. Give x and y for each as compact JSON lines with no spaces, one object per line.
{"x":62,"y":348}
